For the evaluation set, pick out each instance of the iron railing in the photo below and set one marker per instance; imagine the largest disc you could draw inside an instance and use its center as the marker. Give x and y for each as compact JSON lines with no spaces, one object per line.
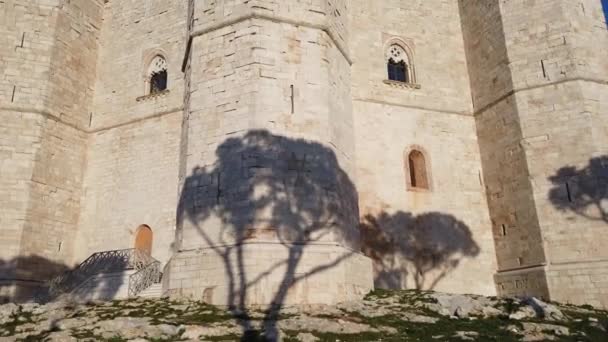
{"x":101,"y":262}
{"x":144,"y":278}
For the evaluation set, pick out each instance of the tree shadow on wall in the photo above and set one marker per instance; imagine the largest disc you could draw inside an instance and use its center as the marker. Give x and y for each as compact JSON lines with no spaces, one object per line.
{"x":425,"y":247}
{"x":582,"y":191}
{"x":30,"y":273}
{"x":28,"y":279}
{"x":605,"y":9}
{"x":267,"y":187}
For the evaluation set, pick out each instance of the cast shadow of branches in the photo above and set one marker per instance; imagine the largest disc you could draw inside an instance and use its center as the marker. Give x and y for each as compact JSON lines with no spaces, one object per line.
{"x":28,"y":279}
{"x":268,"y":187}
{"x":30,"y":273}
{"x":425,"y":247}
{"x":583,"y":191}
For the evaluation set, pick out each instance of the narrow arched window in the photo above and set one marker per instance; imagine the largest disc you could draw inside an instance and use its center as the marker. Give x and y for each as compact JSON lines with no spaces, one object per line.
{"x":418,"y":175}
{"x":399,"y":64}
{"x":157,"y":75}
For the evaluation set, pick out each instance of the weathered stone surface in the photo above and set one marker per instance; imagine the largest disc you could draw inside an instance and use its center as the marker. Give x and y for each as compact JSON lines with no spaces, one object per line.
{"x":505,"y":101}
{"x":382,"y":315}
{"x":6,"y":311}
{"x":544,"y":310}
{"x":523,"y":312}
{"x":307,"y":337}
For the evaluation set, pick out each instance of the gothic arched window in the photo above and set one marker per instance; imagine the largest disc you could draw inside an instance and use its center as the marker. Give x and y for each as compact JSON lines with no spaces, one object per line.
{"x":418,"y":175}
{"x":157,"y":75}
{"x":399,"y":64}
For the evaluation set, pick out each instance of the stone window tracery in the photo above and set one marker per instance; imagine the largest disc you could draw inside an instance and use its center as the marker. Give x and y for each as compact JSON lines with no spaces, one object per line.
{"x":399,"y":60}
{"x":157,"y":75}
{"x":398,"y":64}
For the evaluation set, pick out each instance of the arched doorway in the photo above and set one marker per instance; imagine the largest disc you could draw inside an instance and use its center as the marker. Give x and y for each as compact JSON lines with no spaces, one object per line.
{"x":143,"y":239}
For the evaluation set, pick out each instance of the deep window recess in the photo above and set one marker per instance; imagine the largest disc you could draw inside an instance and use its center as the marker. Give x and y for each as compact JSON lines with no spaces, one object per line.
{"x":158,"y":82}
{"x":417,"y":170}
{"x":397,"y":71}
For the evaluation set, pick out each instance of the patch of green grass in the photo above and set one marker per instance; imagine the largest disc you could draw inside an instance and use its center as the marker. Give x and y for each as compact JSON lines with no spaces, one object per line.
{"x":173,"y":338}
{"x":379,"y":293}
{"x":201,"y":313}
{"x":89,"y":335}
{"x":399,"y":302}
{"x":491,"y":329}
{"x":231,"y":337}
{"x":40,"y":336}
{"x":326,"y":316}
{"x":84,"y":334}
{"x":415,"y":297}
{"x":582,"y":328}
{"x":365,"y":336}
{"x":510,"y":305}
{"x":17,"y":319}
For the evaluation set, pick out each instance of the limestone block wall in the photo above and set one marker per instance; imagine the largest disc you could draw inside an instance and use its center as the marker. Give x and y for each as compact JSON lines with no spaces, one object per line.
{"x":573,"y":225}
{"x":439,"y":239}
{"x":309,"y":31}
{"x":252,"y":68}
{"x":133,"y":33}
{"x":552,"y":130}
{"x":514,"y":218}
{"x":73,"y":60}
{"x":133,"y":158}
{"x":202,"y":275}
{"x":46,"y":46}
{"x":131,"y":180}
{"x":438,"y":53}
{"x":268,"y":206}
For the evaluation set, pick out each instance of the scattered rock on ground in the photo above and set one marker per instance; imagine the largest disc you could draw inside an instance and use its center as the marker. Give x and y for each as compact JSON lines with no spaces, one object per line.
{"x":382,"y":315}
{"x":307,"y":337}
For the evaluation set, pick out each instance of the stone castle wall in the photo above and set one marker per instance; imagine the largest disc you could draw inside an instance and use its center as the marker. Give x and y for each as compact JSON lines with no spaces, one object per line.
{"x":539,"y":117}
{"x":253,"y":68}
{"x":283,"y":107}
{"x":390,"y":120}
{"x":268,"y":198}
{"x":505,"y":169}
{"x":133,"y":156}
{"x":47,"y":76}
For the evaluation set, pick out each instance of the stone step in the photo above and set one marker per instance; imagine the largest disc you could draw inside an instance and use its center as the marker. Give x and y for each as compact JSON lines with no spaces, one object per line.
{"x":154,"y":291}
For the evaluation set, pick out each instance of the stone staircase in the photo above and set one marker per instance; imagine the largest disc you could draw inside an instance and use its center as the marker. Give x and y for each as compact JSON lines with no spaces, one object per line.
{"x":110,"y":275}
{"x":152,"y":292}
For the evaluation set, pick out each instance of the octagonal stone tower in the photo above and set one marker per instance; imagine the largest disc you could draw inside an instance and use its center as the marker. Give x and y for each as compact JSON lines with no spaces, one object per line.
{"x":540,"y":100}
{"x":268,"y":208}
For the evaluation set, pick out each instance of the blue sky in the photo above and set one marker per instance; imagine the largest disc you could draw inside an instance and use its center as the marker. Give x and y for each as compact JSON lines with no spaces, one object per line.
{"x":605,"y":4}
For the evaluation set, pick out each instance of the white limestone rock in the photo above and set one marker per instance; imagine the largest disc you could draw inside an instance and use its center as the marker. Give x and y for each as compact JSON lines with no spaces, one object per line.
{"x":307,"y":337}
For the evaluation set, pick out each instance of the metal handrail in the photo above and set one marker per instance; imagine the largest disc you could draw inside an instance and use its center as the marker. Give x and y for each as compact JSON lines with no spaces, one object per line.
{"x":100,"y":262}
{"x":144,"y":278}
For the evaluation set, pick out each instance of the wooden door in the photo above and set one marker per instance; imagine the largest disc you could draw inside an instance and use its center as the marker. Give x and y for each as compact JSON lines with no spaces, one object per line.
{"x":143,"y":239}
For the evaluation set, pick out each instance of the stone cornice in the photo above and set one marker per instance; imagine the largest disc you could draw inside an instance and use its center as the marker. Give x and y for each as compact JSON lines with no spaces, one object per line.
{"x":405,"y":105}
{"x":49,"y":115}
{"x":274,"y":18}
{"x":538,"y":86}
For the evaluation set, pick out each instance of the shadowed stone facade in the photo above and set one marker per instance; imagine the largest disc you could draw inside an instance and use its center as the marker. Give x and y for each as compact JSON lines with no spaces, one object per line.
{"x":282,"y":164}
